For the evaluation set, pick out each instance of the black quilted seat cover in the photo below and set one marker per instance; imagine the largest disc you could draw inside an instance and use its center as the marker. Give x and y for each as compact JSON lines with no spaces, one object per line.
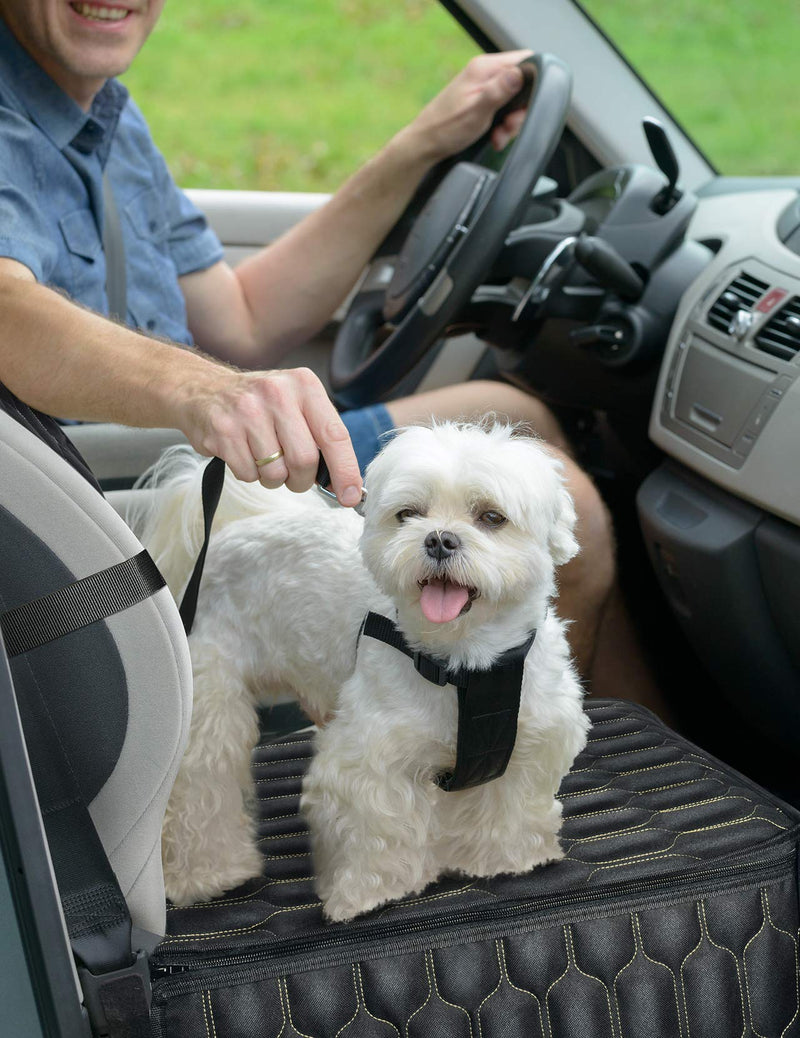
{"x":674,"y":913}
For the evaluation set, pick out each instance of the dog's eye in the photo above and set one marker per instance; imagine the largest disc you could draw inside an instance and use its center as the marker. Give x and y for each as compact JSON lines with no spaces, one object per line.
{"x":406,"y":513}
{"x":492,"y":519}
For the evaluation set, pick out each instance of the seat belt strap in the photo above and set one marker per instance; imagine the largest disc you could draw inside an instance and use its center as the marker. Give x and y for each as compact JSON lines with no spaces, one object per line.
{"x":112,"y":976}
{"x":114,"y":251}
{"x":80,"y":603}
{"x":115,"y":979}
{"x":488,"y":705}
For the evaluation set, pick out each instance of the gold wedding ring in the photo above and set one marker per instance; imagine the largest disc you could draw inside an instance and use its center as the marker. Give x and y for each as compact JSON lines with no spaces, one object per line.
{"x":260,"y":462}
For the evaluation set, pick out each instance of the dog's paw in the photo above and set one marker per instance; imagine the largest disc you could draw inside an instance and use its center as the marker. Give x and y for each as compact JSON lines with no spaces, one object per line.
{"x":339,"y":908}
{"x":206,"y":882}
{"x":507,"y":858}
{"x":342,"y":902}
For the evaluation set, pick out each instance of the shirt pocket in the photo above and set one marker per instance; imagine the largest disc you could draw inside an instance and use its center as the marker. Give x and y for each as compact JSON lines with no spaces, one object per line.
{"x":155,"y":301}
{"x":147,"y":217}
{"x":85,"y":276}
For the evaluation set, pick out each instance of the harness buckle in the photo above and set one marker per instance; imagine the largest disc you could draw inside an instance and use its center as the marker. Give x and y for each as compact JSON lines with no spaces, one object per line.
{"x":429,"y":669}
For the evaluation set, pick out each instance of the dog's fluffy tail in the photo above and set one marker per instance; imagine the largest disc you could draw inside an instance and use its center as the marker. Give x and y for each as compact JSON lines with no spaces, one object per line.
{"x":167,"y":516}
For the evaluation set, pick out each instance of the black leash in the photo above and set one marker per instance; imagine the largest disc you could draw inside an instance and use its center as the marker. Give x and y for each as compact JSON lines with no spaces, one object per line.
{"x":488,"y":705}
{"x":213,"y":481}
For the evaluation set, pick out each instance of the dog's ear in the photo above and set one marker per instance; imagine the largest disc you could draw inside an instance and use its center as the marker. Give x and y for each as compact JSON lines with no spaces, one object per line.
{"x":563,"y":545}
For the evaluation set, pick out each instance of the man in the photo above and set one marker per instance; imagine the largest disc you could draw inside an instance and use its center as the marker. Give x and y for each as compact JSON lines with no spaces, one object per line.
{"x":64,"y":121}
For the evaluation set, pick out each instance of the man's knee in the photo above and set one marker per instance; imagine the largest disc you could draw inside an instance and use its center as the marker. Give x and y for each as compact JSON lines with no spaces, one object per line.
{"x":474,"y":400}
{"x":595,"y":566}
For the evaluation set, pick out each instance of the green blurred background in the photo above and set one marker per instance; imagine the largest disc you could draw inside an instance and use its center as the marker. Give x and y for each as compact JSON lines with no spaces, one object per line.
{"x":295,"y":94}
{"x":289,"y":94}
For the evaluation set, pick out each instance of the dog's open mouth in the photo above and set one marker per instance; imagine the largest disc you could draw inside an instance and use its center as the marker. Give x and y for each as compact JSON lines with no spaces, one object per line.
{"x":443,"y":600}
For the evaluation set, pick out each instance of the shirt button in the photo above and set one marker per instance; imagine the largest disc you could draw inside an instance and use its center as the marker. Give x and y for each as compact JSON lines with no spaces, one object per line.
{"x":152,"y":225}
{"x":151,"y":324}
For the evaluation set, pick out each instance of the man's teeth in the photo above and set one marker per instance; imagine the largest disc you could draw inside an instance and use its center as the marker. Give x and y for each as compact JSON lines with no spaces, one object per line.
{"x":104,"y":14}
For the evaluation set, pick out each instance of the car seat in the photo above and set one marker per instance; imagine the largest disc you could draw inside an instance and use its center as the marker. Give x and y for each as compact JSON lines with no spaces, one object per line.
{"x":117,"y":690}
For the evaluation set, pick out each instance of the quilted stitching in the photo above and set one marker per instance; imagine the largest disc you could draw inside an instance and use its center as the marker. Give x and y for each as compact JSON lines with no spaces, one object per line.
{"x":639,"y":804}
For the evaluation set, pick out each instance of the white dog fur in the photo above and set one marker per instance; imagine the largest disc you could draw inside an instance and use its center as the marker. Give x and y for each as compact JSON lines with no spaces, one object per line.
{"x":287,"y":583}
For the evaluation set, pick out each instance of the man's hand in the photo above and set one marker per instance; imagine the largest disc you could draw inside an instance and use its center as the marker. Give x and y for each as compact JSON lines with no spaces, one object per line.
{"x":244,"y":417}
{"x":465,"y":108}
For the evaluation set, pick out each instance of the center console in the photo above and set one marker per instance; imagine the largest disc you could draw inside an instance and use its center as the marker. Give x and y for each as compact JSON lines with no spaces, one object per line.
{"x":728,"y":399}
{"x":721,"y":517}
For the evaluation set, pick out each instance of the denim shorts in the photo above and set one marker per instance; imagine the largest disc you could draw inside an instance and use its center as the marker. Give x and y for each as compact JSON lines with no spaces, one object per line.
{"x":368,"y":428}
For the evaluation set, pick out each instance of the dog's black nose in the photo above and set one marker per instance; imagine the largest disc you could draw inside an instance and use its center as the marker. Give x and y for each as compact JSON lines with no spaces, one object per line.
{"x":441,"y":543}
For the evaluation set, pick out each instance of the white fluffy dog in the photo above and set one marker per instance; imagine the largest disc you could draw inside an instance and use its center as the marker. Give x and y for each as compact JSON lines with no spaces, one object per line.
{"x":463,"y":528}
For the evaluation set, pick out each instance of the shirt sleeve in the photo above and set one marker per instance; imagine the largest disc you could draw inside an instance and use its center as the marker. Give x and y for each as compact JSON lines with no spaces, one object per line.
{"x":193,"y":245}
{"x":24,"y":233}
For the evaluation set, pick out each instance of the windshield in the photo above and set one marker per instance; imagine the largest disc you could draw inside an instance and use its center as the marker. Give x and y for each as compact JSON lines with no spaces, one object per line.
{"x":725,"y":71}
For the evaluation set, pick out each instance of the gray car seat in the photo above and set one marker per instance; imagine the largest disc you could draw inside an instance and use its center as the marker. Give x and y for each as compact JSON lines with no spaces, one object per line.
{"x":118,"y":690}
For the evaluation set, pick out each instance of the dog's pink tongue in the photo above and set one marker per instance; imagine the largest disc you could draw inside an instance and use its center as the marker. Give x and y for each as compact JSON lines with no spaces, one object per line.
{"x":441,"y":600}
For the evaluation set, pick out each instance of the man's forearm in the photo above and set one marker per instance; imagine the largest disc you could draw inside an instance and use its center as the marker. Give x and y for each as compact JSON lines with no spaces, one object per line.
{"x":284,"y":294}
{"x":68,"y":361}
{"x":298,"y":282}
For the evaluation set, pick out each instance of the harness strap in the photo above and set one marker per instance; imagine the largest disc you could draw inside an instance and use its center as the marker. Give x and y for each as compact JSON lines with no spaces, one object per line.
{"x":80,"y":603}
{"x":488,"y":705}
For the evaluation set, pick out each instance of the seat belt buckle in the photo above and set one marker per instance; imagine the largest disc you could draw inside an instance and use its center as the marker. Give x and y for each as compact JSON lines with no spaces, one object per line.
{"x":114,"y":1000}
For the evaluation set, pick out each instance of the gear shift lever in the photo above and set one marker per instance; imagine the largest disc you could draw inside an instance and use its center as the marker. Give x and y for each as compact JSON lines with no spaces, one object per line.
{"x":666,"y":161}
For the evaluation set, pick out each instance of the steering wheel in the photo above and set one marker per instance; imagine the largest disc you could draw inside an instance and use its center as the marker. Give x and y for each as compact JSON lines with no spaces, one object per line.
{"x":467,"y":212}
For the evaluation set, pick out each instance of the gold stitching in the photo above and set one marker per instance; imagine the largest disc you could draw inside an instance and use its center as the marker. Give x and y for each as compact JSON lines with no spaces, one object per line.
{"x":360,"y":995}
{"x":494,"y":990}
{"x":205,"y":1017}
{"x":185,"y":938}
{"x":211,"y":1015}
{"x":289,"y":1014}
{"x":556,"y":981}
{"x":746,"y":1006}
{"x":430,"y":991}
{"x":441,"y":997}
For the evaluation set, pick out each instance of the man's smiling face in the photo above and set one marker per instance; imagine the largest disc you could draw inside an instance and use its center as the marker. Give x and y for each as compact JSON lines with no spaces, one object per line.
{"x":82,"y":44}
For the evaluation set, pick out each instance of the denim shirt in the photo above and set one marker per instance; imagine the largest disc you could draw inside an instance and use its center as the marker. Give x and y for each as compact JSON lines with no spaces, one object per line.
{"x":52,"y":158}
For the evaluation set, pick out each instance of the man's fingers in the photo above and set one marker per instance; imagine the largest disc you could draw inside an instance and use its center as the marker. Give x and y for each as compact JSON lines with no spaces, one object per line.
{"x":301,"y":452}
{"x":268,"y":458}
{"x":236,"y":454}
{"x":259,"y":414}
{"x":508,"y":129}
{"x":331,"y":434}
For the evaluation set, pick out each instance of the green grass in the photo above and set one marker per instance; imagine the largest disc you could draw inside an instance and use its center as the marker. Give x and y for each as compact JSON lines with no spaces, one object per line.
{"x":295,"y":94}
{"x":289,"y":94}
{"x":728,"y":72}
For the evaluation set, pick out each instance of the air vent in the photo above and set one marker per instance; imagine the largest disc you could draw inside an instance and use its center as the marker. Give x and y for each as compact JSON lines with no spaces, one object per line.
{"x":740,"y":294}
{"x":780,"y":336}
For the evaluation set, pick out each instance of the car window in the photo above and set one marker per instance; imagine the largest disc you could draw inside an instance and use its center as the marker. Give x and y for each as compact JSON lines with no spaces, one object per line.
{"x":724,"y":70}
{"x":286,"y":95}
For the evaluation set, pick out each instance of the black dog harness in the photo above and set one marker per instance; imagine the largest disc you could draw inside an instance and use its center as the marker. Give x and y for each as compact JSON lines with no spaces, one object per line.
{"x":488,"y":700}
{"x":488,"y":705}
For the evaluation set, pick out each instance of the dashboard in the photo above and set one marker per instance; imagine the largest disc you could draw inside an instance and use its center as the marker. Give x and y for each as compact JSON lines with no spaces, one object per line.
{"x":727,"y":402}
